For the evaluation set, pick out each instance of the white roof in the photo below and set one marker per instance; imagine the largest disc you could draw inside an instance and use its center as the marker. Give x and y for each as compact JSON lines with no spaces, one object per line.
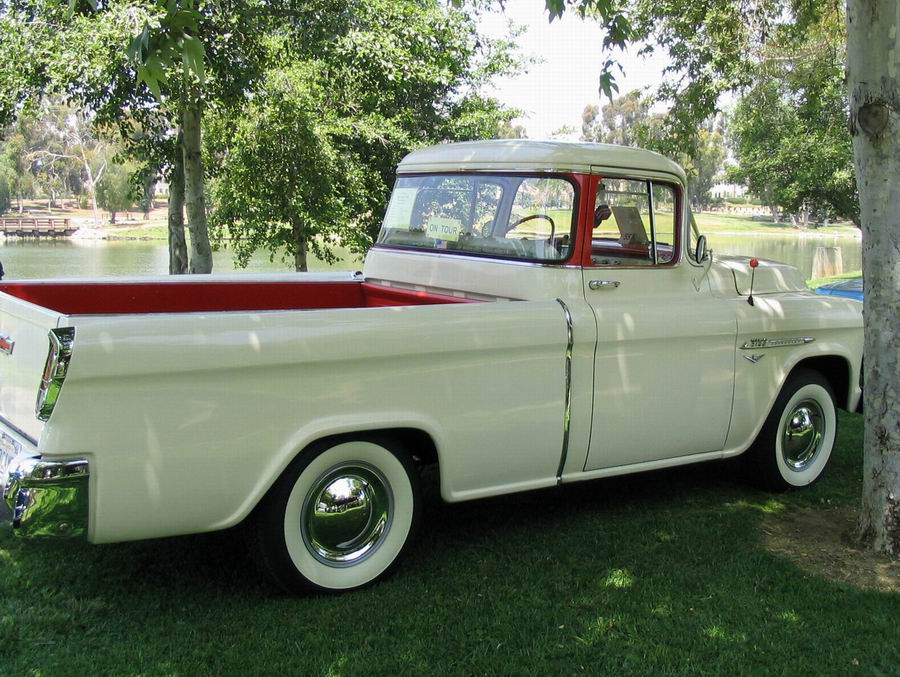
{"x":524,"y":154}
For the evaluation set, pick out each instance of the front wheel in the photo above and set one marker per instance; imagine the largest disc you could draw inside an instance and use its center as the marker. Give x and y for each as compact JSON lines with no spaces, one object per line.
{"x":796,"y":441}
{"x":340,"y":516}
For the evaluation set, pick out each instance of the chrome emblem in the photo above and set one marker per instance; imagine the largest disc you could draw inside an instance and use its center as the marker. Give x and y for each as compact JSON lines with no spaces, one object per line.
{"x":753,"y":358}
{"x":756,"y":343}
{"x":6,"y":345}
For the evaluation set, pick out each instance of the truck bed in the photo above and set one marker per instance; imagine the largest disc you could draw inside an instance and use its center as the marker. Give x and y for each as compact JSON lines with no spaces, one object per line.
{"x":190,"y":295}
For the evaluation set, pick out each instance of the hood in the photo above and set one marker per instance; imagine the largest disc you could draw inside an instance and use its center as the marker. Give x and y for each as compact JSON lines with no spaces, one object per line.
{"x":771,"y":276}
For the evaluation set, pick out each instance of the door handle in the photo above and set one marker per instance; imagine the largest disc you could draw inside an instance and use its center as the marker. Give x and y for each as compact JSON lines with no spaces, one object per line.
{"x":603,"y":284}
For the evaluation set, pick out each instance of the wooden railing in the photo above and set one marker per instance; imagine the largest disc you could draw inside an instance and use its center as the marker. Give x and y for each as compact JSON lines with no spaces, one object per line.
{"x":42,"y":226}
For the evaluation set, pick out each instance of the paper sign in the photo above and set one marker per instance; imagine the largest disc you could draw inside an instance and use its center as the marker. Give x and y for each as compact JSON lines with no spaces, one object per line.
{"x":631,"y":226}
{"x":399,"y":211}
{"x":443,"y":229}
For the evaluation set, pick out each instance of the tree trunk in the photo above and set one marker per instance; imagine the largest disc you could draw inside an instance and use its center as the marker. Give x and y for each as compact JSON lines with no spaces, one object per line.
{"x":149,"y":188}
{"x":873,"y":50}
{"x":300,"y":249}
{"x":178,"y":256}
{"x":201,"y":253}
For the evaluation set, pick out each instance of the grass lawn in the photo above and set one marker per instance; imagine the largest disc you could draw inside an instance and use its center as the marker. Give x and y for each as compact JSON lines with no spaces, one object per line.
{"x":714,"y":222}
{"x":682,"y":571}
{"x":812,"y":284}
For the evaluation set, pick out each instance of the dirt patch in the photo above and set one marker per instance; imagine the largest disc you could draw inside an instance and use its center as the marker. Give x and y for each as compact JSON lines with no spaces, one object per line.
{"x":821,"y":542}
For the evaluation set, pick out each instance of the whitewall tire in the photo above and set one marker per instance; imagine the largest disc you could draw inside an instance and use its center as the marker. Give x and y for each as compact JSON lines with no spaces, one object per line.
{"x":795,"y":443}
{"x":340,"y":516}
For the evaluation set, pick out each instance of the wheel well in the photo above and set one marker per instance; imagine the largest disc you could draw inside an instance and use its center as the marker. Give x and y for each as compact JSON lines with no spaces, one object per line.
{"x":836,"y":371}
{"x":416,"y":442}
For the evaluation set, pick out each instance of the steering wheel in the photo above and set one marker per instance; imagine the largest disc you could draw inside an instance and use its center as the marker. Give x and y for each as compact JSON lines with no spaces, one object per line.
{"x":536,"y":216}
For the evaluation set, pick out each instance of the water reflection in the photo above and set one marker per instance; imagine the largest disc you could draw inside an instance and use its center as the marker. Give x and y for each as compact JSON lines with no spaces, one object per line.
{"x":796,"y":250}
{"x":98,"y":258}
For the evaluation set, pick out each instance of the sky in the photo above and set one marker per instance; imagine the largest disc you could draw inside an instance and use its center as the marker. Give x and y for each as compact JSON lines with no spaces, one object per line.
{"x":554,"y":91}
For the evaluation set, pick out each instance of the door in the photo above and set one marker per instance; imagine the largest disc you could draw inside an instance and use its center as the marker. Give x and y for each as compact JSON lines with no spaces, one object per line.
{"x":664,"y":363}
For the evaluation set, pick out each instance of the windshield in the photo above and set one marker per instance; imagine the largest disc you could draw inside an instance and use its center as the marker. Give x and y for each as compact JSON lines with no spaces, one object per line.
{"x":506,"y":216}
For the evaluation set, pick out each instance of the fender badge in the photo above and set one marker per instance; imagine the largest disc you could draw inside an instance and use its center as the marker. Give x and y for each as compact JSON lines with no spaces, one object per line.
{"x":753,"y":358}
{"x":756,"y":343}
{"x":6,"y":345}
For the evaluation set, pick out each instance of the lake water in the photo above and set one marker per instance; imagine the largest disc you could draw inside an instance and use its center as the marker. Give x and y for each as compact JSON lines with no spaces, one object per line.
{"x":29,"y":258}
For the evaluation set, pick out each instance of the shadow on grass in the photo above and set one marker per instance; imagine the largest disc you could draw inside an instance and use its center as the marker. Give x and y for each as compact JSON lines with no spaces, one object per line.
{"x":662,"y":572}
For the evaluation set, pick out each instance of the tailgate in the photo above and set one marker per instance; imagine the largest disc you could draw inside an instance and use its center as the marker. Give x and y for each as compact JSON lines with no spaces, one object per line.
{"x":24,"y":345}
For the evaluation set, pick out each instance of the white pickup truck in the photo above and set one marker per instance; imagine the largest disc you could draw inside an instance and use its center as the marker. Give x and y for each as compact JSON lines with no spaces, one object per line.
{"x":533,"y":313}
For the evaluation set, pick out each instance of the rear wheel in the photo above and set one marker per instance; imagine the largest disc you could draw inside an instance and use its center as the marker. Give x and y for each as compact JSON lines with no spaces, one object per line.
{"x":796,"y":441}
{"x":340,"y":516}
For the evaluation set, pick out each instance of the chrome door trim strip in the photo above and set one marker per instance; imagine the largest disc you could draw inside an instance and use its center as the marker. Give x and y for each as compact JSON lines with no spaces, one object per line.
{"x":567,"y":416}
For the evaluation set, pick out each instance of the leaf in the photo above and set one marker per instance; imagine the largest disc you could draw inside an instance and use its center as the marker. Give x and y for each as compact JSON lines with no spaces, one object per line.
{"x":193,"y":57}
{"x":135,"y":51}
{"x":73,"y":5}
{"x":608,"y":85}
{"x":555,"y":8}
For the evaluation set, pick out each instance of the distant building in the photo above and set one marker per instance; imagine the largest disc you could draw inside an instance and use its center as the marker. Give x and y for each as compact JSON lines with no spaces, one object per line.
{"x":726,"y":190}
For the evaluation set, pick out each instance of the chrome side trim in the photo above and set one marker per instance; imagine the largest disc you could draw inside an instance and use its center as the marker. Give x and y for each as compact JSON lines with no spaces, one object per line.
{"x":757,"y":343}
{"x":567,"y":417}
{"x":55,"y":370}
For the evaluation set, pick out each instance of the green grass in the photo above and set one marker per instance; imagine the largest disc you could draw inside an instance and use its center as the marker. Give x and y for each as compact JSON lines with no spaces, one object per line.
{"x":659,"y":573}
{"x":710,"y":222}
{"x":812,"y":284}
{"x":151,"y":231}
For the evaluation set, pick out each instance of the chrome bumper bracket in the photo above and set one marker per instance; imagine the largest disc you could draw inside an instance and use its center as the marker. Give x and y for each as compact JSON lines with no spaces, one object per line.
{"x":46,"y":498}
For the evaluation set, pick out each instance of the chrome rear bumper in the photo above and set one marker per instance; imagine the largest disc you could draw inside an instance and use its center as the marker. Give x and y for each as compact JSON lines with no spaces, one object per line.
{"x":42,"y":497}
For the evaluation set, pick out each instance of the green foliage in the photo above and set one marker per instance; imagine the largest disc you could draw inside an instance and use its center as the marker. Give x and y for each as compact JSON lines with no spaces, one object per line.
{"x":5,"y":195}
{"x":283,"y":184}
{"x":713,"y":47}
{"x":115,"y":191}
{"x":618,"y":122}
{"x":383,"y":77}
{"x":704,"y":164}
{"x":789,"y":130}
{"x":170,"y":40}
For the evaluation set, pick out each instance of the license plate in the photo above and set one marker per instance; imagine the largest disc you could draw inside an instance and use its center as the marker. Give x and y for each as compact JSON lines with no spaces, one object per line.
{"x":9,"y":449}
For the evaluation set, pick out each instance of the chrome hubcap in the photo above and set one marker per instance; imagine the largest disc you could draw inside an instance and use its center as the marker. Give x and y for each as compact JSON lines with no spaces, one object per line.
{"x":346,"y":514}
{"x":803,"y":434}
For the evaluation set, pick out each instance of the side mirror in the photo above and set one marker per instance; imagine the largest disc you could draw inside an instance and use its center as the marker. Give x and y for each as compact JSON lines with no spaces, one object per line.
{"x":701,"y":253}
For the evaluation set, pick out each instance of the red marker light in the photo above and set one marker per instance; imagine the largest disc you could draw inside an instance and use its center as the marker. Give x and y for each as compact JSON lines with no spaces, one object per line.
{"x":754,"y":263}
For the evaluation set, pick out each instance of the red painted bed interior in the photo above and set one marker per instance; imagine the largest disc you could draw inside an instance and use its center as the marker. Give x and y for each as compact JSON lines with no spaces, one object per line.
{"x":117,"y":298}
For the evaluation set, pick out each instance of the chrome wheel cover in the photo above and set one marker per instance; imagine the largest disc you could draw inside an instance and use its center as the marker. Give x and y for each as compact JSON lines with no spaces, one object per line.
{"x":346,"y":514}
{"x":802,"y":435}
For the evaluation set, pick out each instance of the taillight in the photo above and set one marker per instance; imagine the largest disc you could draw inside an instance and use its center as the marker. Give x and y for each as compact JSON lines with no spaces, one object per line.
{"x":61,"y":341}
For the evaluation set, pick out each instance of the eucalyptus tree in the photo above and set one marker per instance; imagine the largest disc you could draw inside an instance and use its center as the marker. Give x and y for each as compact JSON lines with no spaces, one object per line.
{"x":718,"y":46}
{"x":789,"y":130}
{"x":618,"y":121}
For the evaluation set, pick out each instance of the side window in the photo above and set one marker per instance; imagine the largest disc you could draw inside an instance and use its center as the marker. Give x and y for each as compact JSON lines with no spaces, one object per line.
{"x":664,"y":222}
{"x":633,"y":221}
